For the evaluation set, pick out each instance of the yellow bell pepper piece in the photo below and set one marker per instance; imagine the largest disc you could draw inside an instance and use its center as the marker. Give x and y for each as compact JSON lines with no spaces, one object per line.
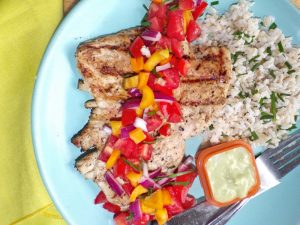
{"x":137,"y":191}
{"x":166,"y":60}
{"x":115,"y":155}
{"x":187,"y":17}
{"x":161,"y":216}
{"x":139,"y":112}
{"x":137,"y":135}
{"x":155,"y":200}
{"x":137,"y":64}
{"x":156,"y":58}
{"x":167,"y":199}
{"x":157,"y":1}
{"x":131,"y":82}
{"x":116,"y":127}
{"x":146,"y":209}
{"x":143,"y":79}
{"x":148,"y":97}
{"x":133,"y":178}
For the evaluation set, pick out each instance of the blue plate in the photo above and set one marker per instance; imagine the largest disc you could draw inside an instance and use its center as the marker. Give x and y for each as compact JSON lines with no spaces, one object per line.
{"x":58,"y":113}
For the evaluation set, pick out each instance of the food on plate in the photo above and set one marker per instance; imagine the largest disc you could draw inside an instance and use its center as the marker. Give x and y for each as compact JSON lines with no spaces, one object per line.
{"x":228,"y":172}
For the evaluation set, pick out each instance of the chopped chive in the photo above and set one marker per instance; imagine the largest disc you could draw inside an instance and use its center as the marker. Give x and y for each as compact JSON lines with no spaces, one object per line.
{"x":272,"y":26}
{"x":255,"y":66}
{"x":151,"y":113}
{"x":145,"y":7}
{"x":281,"y":95}
{"x":294,"y":126}
{"x":214,"y":3}
{"x":291,"y":71}
{"x":262,"y":102}
{"x":254,"y":91}
{"x":280,"y":47}
{"x":211,"y":127}
{"x":173,"y":7}
{"x":243,"y":96}
{"x":174,"y":175}
{"x":242,"y":74}
{"x":261,"y":23}
{"x":235,"y":56}
{"x":253,"y":136}
{"x":224,"y":135}
{"x":254,"y":59}
{"x":137,"y":168}
{"x":296,"y":118}
{"x":266,"y":116}
{"x":178,"y":183}
{"x":129,"y":217}
{"x":273,"y":109}
{"x":145,"y":24}
{"x":269,"y":51}
{"x":272,"y":74}
{"x":288,"y":65}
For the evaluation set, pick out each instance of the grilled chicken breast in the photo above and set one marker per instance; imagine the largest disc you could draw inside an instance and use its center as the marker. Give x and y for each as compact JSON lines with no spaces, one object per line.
{"x":103,"y":61}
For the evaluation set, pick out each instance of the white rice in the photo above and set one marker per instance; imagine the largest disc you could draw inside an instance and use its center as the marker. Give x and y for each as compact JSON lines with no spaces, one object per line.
{"x":242,"y":113}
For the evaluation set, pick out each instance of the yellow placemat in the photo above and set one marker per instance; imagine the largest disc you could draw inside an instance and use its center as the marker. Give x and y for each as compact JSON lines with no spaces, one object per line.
{"x":25,"y":29}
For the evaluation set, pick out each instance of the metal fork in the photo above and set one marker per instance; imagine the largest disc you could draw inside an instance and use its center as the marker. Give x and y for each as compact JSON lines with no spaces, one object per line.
{"x":273,"y":164}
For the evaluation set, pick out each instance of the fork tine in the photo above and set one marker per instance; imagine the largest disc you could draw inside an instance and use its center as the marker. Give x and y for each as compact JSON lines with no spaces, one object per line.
{"x":274,"y":151}
{"x":292,"y":153}
{"x":290,"y":166}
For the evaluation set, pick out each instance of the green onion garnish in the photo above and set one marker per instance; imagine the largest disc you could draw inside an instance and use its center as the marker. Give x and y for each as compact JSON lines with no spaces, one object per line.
{"x":178,"y":183}
{"x":288,"y":65}
{"x":145,"y":24}
{"x":294,"y":126}
{"x":255,"y":66}
{"x":291,"y":71}
{"x":173,"y":7}
{"x":235,"y":56}
{"x":137,"y":168}
{"x":211,"y":127}
{"x":273,"y":109}
{"x":269,"y":51}
{"x":253,"y":136}
{"x":243,"y":96}
{"x":281,"y":95}
{"x":266,"y":116}
{"x":272,"y":74}
{"x":272,"y":26}
{"x":174,"y":175}
{"x":254,"y":59}
{"x":254,"y":91}
{"x":242,"y":74}
{"x":280,"y":46}
{"x":214,"y":3}
{"x":145,"y":7}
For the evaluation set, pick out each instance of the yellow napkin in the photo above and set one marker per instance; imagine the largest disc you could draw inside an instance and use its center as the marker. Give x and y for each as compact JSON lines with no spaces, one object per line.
{"x":25,"y":29}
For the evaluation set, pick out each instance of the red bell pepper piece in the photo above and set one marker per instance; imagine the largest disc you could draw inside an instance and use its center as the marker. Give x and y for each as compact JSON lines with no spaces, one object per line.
{"x":165,"y":130}
{"x":183,"y":67}
{"x":176,"y":206}
{"x":153,"y":122}
{"x":111,"y":207}
{"x":100,"y":198}
{"x":193,"y":31}
{"x":175,"y":27}
{"x":135,"y":48}
{"x":121,"y":218}
{"x":128,"y":117}
{"x":145,"y":151}
{"x":186,"y":4}
{"x":199,"y":10}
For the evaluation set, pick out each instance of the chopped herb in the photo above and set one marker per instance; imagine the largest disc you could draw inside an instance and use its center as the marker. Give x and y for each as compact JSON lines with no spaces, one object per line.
{"x":294,"y":126}
{"x":129,"y":217}
{"x":174,"y":175}
{"x":135,"y":167}
{"x":262,"y":102}
{"x":281,"y":95}
{"x":254,"y":59}
{"x":272,"y":26}
{"x":295,"y":118}
{"x":151,"y":113}
{"x":265,"y":116}
{"x":262,"y":23}
{"x":224,"y":135}
{"x":145,"y":24}
{"x":269,"y":51}
{"x":288,"y":65}
{"x":254,"y":91}
{"x":128,"y":75}
{"x":178,"y":183}
{"x":272,"y":74}
{"x":211,"y":127}
{"x":235,"y":56}
{"x":152,"y":142}
{"x":214,"y":3}
{"x":291,"y":71}
{"x":173,"y":7}
{"x":242,"y":74}
{"x":280,"y":46}
{"x":145,"y":7}
{"x":269,"y":142}
{"x":243,"y":96}
{"x":156,"y":74}
{"x":238,"y":33}
{"x":255,"y":66}
{"x":253,"y":136}
{"x":150,"y":191}
{"x":273,"y":109}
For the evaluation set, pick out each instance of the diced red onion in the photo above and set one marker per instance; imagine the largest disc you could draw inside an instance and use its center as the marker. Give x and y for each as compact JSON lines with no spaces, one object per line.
{"x":107,"y":129}
{"x":132,"y":103}
{"x":145,"y":170}
{"x":140,"y":123}
{"x":146,"y":51}
{"x":199,"y":2}
{"x":160,"y":97}
{"x":147,"y":183}
{"x":164,"y":181}
{"x":150,"y":35}
{"x":125,"y":131}
{"x":184,"y":166}
{"x":134,"y":92}
{"x":163,"y":67}
{"x":113,"y":183}
{"x":135,"y":208}
{"x":155,"y":173}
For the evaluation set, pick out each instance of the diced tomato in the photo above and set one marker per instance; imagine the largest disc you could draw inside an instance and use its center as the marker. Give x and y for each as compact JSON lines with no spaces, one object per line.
{"x":165,"y":130}
{"x":100,"y":198}
{"x":193,"y":31}
{"x":172,"y":78}
{"x":105,"y":154}
{"x":128,"y":188}
{"x":189,"y":202}
{"x":135,"y":48}
{"x":143,"y":221}
{"x":186,"y":4}
{"x":157,"y":10}
{"x":128,"y":116}
{"x":126,"y":146}
{"x":149,"y":138}
{"x":112,"y":140}
{"x":183,"y":67}
{"x":145,"y":151}
{"x":164,"y":43}
{"x":165,"y":109}
{"x":111,"y":207}
{"x":166,"y":90}
{"x":175,"y":27}
{"x":153,"y":122}
{"x":121,"y":218}
{"x":120,"y":169}
{"x":156,"y":24}
{"x":199,"y":10}
{"x":175,"y":116}
{"x":176,"y":206}
{"x":176,"y":48}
